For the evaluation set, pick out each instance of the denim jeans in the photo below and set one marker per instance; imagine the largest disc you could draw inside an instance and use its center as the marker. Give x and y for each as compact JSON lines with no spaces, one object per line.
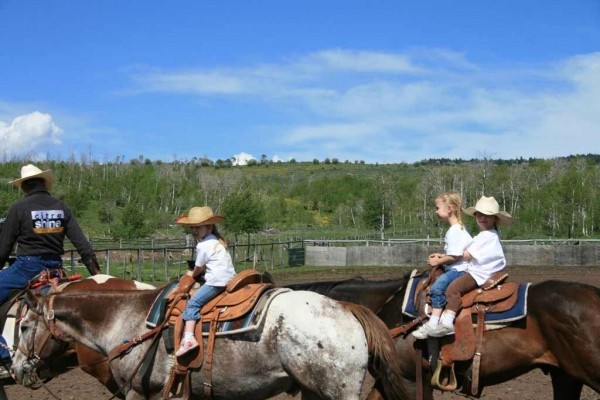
{"x":25,"y":268}
{"x":438,"y":289}
{"x":4,"y":353}
{"x":199,"y":299}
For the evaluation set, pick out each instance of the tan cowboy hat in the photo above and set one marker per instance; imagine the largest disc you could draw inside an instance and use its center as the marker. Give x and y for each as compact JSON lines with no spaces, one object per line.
{"x":30,"y":171}
{"x":489,"y":206}
{"x":199,"y":216}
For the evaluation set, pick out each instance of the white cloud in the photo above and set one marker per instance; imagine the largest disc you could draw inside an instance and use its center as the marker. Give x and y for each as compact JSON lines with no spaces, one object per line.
{"x":359,"y":61}
{"x":392,"y":107}
{"x":242,"y":158}
{"x":29,"y":134}
{"x":208,"y":82}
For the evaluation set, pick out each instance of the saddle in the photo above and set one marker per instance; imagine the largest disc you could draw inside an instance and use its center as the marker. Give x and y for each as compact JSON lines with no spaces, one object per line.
{"x":495,"y":296}
{"x":237,"y":300}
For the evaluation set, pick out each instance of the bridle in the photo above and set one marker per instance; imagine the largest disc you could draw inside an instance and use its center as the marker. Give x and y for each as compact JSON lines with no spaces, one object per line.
{"x":34,"y":349}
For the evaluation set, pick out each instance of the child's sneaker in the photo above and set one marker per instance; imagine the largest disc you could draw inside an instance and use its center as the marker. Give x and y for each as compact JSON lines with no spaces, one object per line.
{"x":442,"y":330}
{"x":423,"y":332}
{"x":186,"y":345}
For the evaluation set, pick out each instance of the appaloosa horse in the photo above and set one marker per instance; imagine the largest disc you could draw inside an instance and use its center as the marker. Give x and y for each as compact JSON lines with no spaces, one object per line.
{"x":306,"y":342}
{"x":559,"y":334}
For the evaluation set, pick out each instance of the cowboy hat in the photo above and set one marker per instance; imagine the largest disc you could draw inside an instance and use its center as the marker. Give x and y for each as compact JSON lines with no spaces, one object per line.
{"x":489,"y":206}
{"x":30,"y":171}
{"x":199,"y":216}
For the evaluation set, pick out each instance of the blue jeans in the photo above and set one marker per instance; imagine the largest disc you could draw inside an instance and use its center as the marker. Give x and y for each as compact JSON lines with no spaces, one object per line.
{"x":438,"y":289}
{"x":4,"y":353}
{"x":25,"y":268}
{"x":202,"y":296}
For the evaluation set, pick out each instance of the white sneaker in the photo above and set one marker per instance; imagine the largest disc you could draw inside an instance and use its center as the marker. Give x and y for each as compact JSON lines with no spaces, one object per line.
{"x":442,"y":330}
{"x":4,"y":372}
{"x":423,"y":332}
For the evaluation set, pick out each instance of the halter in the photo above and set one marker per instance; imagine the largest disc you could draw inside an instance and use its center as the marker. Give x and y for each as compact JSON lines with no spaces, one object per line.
{"x":47,"y":316}
{"x":33,"y":350}
{"x":33,"y":360}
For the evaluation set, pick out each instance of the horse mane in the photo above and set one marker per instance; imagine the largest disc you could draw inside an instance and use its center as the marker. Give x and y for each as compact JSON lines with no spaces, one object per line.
{"x":324,"y":287}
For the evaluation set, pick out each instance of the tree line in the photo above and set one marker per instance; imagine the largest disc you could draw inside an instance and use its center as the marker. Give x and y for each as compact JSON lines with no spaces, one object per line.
{"x":548,"y":198}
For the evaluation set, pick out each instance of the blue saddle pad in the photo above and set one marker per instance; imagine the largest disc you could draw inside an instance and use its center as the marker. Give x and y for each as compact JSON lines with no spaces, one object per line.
{"x":517,"y":312}
{"x":157,"y":312}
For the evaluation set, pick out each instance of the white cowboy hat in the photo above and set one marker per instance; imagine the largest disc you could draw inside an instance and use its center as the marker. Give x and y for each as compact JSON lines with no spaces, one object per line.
{"x":199,"y":216}
{"x":489,"y":206}
{"x":30,"y":171}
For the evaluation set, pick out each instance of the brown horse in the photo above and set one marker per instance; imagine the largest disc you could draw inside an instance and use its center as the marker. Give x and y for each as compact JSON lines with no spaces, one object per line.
{"x":559,"y":334}
{"x":76,"y":354}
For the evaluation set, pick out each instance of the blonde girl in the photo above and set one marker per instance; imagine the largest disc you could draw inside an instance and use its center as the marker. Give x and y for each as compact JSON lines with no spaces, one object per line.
{"x":447,"y":208}
{"x":212,"y":261}
{"x":484,"y":255}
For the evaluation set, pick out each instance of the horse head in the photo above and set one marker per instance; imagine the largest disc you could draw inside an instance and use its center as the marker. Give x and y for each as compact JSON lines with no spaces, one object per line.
{"x":40,"y":348}
{"x":42,"y":354}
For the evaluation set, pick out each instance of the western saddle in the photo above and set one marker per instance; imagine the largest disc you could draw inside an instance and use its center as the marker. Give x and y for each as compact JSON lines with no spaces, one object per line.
{"x":238,"y":299}
{"x":496,"y":295}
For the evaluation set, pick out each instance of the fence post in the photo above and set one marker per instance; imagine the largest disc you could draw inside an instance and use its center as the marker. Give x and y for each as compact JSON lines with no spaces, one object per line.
{"x":153,"y":263}
{"x":166,"y":262}
{"x":272,"y":256}
{"x":234,"y":255}
{"x":107,"y":258}
{"x":139,"y":263}
{"x":72,"y":262}
{"x":124,"y":266}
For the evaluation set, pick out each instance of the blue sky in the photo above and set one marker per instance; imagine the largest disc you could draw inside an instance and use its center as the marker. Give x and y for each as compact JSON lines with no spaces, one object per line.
{"x":378,"y":81}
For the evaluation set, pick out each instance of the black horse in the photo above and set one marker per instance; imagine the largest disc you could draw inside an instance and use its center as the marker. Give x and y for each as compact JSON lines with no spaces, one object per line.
{"x":559,"y":334}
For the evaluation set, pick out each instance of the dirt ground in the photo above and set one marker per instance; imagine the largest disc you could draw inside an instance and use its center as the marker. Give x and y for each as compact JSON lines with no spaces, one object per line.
{"x":532,"y":386}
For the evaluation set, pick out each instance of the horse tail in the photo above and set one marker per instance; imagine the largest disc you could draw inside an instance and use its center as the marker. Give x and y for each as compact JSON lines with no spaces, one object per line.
{"x":384,"y":363}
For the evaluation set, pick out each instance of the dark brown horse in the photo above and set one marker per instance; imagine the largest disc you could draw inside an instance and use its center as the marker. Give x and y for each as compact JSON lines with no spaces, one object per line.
{"x":559,"y":334}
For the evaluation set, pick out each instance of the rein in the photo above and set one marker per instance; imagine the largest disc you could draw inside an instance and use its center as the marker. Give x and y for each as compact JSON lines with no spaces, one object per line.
{"x":154,"y":333}
{"x":52,"y":331}
{"x":33,"y":359}
{"x":404,"y":328}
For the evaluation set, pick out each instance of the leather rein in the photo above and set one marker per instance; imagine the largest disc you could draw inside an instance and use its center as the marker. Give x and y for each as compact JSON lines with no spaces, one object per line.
{"x":35,"y":361}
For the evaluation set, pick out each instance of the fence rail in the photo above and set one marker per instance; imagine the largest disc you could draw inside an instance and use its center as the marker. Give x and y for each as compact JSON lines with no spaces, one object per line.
{"x":164,"y":260}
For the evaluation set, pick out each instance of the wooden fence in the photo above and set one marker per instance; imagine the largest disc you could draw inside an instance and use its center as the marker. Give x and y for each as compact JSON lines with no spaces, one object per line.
{"x":162,"y":261}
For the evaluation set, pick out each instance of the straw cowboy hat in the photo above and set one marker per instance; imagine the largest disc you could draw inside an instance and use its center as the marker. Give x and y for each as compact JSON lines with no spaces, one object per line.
{"x":199,"y":216}
{"x":489,"y":206}
{"x":30,"y":171}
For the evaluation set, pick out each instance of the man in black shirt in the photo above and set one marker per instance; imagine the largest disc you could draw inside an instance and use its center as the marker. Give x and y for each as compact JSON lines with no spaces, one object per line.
{"x":38,"y":224}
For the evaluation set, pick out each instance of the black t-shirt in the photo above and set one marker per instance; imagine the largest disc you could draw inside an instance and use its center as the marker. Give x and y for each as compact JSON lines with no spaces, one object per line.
{"x":38,"y":224}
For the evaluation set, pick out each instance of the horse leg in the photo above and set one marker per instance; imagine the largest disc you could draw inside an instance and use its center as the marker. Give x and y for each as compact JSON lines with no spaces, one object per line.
{"x":377,"y":390}
{"x":564,"y":386}
{"x":307,"y":395}
{"x":3,"y":395}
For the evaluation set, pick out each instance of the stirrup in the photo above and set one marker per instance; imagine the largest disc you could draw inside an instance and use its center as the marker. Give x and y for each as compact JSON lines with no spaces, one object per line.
{"x":444,"y":378}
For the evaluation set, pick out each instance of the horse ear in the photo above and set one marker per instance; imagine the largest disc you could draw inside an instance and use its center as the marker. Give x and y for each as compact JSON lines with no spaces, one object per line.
{"x":30,"y":299}
{"x":267,"y":278}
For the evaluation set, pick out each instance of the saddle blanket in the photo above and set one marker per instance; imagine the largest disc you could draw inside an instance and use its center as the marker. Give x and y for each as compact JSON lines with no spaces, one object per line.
{"x":517,"y":312}
{"x":249,"y":322}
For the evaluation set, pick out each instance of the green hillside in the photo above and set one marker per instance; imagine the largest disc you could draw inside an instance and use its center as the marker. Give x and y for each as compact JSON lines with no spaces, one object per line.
{"x":557,"y":198}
